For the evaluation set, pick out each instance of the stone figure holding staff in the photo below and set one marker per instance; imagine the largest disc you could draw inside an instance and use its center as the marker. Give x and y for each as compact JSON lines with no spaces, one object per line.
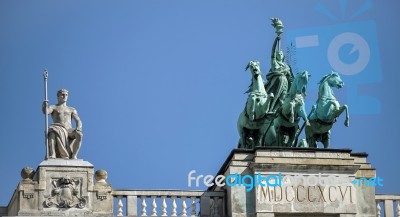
{"x":63,"y":141}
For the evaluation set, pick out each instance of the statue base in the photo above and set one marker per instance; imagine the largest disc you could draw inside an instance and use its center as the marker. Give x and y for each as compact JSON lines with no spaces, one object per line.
{"x":268,"y":182}
{"x":62,"y":188}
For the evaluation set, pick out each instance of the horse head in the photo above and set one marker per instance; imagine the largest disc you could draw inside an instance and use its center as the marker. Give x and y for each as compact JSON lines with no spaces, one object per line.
{"x":333,"y":79}
{"x":254,"y":67}
{"x":257,"y":84}
{"x":299,"y":85}
{"x":256,"y":105}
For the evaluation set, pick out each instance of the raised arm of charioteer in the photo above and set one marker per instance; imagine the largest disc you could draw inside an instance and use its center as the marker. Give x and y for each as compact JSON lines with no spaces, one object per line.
{"x":277,"y":24}
{"x":273,"y":53}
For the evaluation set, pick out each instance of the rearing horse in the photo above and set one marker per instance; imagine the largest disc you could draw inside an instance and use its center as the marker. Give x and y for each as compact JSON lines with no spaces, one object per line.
{"x":326,"y":110}
{"x":287,"y":123}
{"x":253,"y":121}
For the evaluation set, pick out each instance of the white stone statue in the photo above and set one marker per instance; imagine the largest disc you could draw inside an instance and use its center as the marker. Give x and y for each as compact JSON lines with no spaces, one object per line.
{"x":63,"y":140}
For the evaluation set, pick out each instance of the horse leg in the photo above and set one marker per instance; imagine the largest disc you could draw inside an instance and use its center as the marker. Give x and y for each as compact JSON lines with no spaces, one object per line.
{"x":347,"y":121}
{"x":241,"y":131}
{"x":268,"y":134}
{"x":286,"y":137}
{"x":339,"y":111}
{"x":291,"y":134}
{"x":253,"y":108}
{"x":258,"y":141}
{"x":326,"y":139}
{"x":280,"y":100}
{"x":242,"y":138}
{"x":249,"y":139}
{"x":312,"y":142}
{"x":267,"y":103}
{"x":310,"y":137}
{"x":279,"y":136}
{"x":291,"y":113}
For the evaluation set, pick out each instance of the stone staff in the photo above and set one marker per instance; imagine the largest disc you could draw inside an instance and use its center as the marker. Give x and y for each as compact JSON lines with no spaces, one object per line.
{"x":45,"y":76}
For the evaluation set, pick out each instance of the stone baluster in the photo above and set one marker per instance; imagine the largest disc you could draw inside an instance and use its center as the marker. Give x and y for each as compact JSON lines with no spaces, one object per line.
{"x":216,"y":207}
{"x":144,"y":205}
{"x":120,"y":205}
{"x":193,"y":207}
{"x":388,"y":204}
{"x":153,"y":206}
{"x":184,"y":206}
{"x":398,"y":208}
{"x":173,"y":212}
{"x":131,"y":205}
{"x":209,"y":204}
{"x":206,"y":205}
{"x":164,"y":207}
{"x":378,"y":209}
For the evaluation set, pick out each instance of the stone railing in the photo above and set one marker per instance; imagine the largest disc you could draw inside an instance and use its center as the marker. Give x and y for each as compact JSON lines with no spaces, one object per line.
{"x":169,"y":203}
{"x":388,"y":201}
{"x":3,"y":211}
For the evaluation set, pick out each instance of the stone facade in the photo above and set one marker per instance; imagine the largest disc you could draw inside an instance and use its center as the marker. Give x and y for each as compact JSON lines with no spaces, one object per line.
{"x":63,"y":188}
{"x":302,"y":196}
{"x":269,"y":182}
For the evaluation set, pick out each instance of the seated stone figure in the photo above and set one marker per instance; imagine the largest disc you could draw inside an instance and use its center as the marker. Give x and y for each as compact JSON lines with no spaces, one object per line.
{"x":63,"y":140}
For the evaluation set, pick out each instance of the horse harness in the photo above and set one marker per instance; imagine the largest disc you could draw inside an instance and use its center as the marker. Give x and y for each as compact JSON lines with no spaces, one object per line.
{"x":258,"y":96}
{"x":286,"y":118}
{"x":325,"y":123}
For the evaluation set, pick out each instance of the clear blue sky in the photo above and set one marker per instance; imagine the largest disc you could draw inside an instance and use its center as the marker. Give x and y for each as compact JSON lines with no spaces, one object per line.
{"x":159,"y":84}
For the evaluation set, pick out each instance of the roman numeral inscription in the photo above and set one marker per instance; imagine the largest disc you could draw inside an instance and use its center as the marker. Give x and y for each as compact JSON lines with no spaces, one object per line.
{"x":305,"y":194}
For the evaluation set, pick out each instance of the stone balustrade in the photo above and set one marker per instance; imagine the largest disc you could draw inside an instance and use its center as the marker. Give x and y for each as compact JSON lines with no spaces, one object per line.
{"x":391,"y":204}
{"x":169,"y":203}
{"x":46,"y":192}
{"x":3,"y":211}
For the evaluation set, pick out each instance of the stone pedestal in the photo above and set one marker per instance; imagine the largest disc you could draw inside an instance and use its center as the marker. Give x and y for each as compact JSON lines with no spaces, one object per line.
{"x":266,"y":184}
{"x":61,"y":188}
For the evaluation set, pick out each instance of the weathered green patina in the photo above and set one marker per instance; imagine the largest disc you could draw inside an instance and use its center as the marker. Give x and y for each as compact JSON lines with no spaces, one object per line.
{"x":253,"y":121}
{"x":286,"y":124}
{"x":280,"y":75}
{"x":326,"y":110}
{"x":273,"y":109}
